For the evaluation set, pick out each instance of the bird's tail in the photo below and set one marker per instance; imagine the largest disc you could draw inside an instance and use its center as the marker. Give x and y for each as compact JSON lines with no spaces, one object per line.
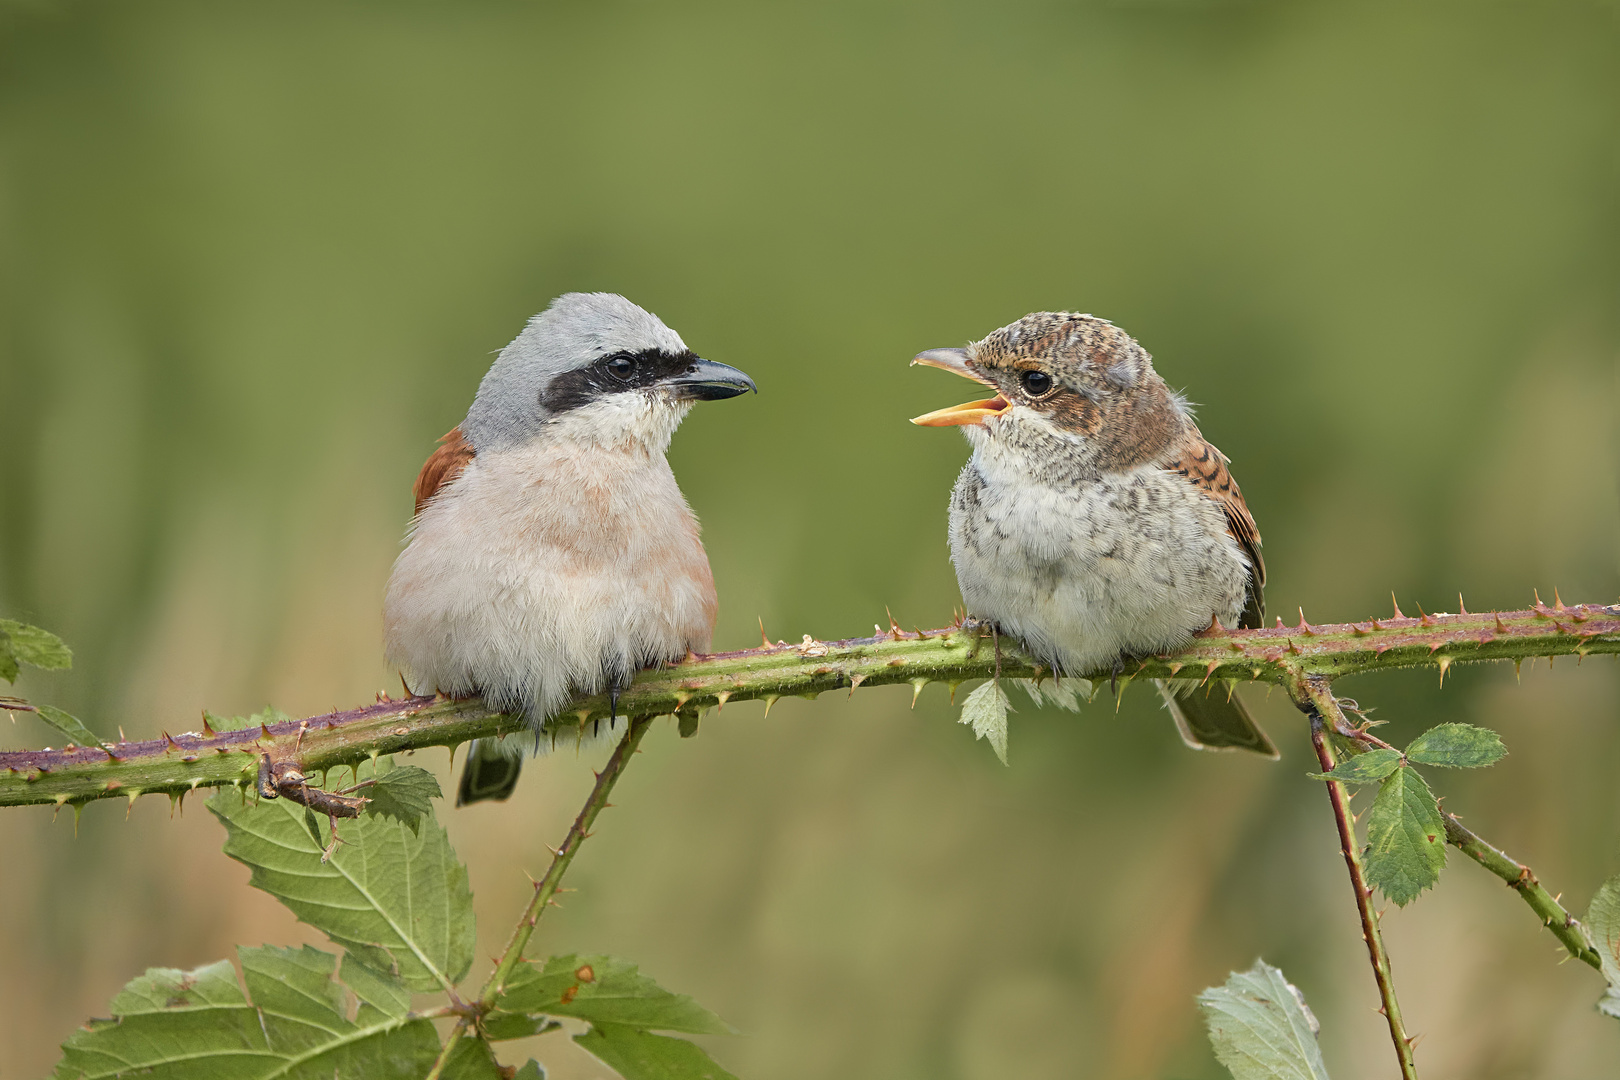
{"x":491,"y":771}
{"x":1211,"y":719}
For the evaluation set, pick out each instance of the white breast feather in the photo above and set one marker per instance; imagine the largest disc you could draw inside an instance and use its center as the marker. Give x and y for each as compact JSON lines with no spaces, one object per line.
{"x":543,"y":569}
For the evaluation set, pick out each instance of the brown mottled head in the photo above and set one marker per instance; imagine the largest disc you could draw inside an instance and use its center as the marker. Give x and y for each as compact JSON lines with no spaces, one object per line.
{"x":1076,"y":382}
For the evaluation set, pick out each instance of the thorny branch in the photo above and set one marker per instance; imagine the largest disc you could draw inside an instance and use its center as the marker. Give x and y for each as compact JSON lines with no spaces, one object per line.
{"x":1281,"y":655}
{"x":545,"y":889}
{"x":1522,"y":880}
{"x":1314,"y":696}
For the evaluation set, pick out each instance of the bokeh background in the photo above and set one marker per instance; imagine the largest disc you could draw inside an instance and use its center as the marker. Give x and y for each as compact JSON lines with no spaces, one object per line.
{"x":256,"y":258}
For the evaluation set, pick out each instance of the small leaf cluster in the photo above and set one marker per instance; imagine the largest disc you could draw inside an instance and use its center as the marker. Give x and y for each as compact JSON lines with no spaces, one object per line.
{"x":22,"y":644}
{"x":1406,"y":835}
{"x":394,"y":896}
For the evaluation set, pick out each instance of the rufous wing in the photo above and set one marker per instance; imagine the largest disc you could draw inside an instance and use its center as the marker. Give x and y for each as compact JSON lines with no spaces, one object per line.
{"x":443,"y":466}
{"x":1208,"y":469}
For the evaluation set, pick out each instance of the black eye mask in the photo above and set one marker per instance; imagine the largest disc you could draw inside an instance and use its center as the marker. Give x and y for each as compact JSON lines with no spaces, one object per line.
{"x":610,"y":375}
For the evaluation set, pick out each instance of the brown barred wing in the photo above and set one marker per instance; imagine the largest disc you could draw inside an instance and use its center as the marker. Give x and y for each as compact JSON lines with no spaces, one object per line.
{"x":1207,"y":468}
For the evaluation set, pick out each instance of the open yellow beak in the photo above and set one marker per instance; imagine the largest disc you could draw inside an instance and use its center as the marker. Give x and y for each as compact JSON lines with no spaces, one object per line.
{"x":969,"y":412}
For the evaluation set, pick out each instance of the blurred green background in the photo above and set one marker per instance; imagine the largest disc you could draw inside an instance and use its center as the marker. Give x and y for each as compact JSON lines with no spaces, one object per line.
{"x":256,"y":258}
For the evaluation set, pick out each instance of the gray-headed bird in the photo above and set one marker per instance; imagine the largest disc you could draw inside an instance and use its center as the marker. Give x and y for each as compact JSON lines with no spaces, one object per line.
{"x":1094,"y":522}
{"x":552,"y":553}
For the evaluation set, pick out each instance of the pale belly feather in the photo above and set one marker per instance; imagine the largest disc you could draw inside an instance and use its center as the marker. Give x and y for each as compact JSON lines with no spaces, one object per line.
{"x":1131,"y":564}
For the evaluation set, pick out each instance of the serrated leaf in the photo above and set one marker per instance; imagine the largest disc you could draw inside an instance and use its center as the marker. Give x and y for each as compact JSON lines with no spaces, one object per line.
{"x":397,"y":899}
{"x":1261,"y":1028}
{"x":1603,"y":925}
{"x":402,"y":793}
{"x":1366,"y":768}
{"x":1406,"y":838}
{"x":638,"y":1055}
{"x":604,"y":989}
{"x":986,"y":709}
{"x":68,"y":724}
{"x":199,"y":1025}
{"x":24,"y":644}
{"x":1457,"y":746}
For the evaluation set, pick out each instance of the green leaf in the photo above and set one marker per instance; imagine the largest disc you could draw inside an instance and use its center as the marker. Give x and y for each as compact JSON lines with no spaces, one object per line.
{"x":379,"y":993}
{"x":198,"y":1025}
{"x":403,"y":793}
{"x":1261,"y":1028}
{"x":472,"y":1059}
{"x":1366,"y":768}
{"x":24,"y":644}
{"x":1603,"y":924}
{"x":531,"y":1071}
{"x":637,"y":1055}
{"x":68,"y":725}
{"x":504,"y":1025}
{"x":1406,"y":838}
{"x":606,"y":990}
{"x":1457,"y":746}
{"x":986,"y":710}
{"x":397,"y":899}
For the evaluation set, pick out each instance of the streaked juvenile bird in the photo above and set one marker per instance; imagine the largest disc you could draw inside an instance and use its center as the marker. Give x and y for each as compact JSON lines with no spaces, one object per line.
{"x":552,"y":553}
{"x":1094,"y":521}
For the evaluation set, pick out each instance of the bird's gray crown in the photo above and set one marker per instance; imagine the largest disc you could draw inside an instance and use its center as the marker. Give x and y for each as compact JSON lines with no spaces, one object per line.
{"x":575,"y":331}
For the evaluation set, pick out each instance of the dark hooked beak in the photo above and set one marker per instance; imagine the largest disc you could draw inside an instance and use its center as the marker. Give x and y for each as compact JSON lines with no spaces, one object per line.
{"x":706,"y":380}
{"x":955,"y":361}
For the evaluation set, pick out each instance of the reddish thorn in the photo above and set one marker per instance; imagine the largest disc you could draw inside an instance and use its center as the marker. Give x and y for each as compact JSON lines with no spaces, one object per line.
{"x":207,"y":730}
{"x":1280,"y":625}
{"x":1558,"y":601}
{"x":1304,"y":627}
{"x":1376,"y":625}
{"x":1295,"y":649}
{"x":1462,"y":608}
{"x":1397,"y":604}
{"x":1380,"y":650}
{"x":1500,"y":626}
{"x":1208,"y":671}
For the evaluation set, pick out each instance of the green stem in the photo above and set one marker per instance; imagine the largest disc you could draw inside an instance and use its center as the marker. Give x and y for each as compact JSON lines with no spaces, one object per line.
{"x":1281,"y":655}
{"x":1315,"y":697}
{"x":1522,"y":880}
{"x":546,"y":888}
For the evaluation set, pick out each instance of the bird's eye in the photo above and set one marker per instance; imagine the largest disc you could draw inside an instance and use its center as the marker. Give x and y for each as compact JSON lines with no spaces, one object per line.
{"x":1036,"y":383}
{"x":621,"y":367}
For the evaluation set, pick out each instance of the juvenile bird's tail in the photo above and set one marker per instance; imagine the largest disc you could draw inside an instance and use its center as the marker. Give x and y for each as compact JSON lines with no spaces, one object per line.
{"x":491,"y":772}
{"x":1209,"y":719}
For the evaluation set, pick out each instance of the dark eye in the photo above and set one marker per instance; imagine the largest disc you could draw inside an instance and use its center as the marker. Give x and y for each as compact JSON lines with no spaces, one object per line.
{"x":622,"y":367}
{"x":1036,"y":383}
